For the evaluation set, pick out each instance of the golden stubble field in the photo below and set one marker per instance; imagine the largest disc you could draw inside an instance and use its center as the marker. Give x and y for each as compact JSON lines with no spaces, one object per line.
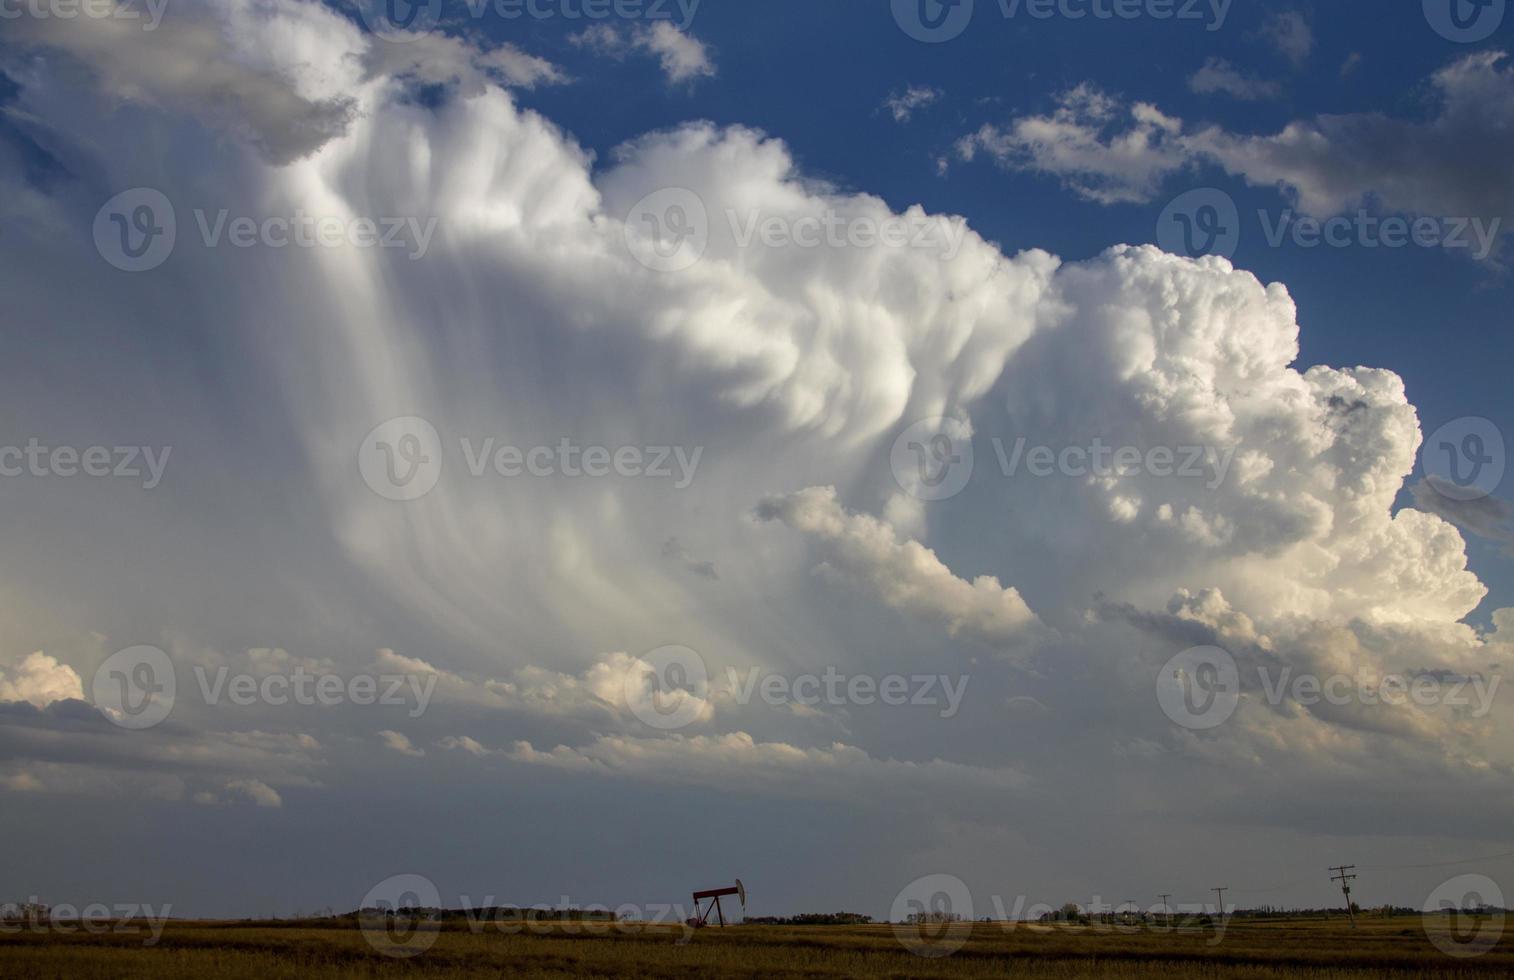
{"x":1395,"y":947}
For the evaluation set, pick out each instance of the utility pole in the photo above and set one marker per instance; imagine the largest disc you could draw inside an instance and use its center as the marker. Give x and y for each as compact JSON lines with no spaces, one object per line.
{"x":1340,"y":874}
{"x":1166,"y":908}
{"x":1221,"y":893}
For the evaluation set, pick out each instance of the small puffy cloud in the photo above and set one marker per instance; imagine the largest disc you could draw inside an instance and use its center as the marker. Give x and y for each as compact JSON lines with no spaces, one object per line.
{"x":1486,"y":517}
{"x":209,"y":63}
{"x":1100,"y":149}
{"x":1289,"y":32}
{"x":40,"y":680}
{"x":440,"y":59}
{"x":400,"y":743}
{"x":462,"y":743}
{"x":902,"y":105}
{"x":683,"y":57}
{"x":253,"y":791}
{"x":1219,"y":75}
{"x":905,"y":575}
{"x":1446,"y":165}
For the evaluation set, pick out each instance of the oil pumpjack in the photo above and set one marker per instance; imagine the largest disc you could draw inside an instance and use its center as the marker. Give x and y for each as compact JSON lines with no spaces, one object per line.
{"x":701,"y":917}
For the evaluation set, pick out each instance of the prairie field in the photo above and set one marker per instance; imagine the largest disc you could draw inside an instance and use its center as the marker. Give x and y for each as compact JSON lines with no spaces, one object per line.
{"x":1305,"y":949}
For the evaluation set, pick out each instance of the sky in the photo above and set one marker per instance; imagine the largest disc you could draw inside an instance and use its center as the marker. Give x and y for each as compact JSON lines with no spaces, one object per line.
{"x":586,"y":452}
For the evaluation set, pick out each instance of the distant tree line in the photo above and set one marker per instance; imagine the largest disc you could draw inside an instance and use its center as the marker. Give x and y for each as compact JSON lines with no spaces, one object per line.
{"x":810,"y":919}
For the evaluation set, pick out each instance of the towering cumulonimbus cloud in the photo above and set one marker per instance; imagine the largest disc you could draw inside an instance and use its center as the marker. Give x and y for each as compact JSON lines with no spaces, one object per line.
{"x":784,"y":373}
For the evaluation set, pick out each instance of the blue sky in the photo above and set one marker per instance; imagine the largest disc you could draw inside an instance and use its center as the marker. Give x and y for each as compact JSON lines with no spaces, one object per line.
{"x":319,"y":453}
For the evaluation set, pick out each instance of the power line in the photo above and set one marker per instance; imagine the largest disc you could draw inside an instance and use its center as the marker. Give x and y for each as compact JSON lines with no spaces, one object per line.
{"x":1341,"y":875}
{"x":1437,"y":864}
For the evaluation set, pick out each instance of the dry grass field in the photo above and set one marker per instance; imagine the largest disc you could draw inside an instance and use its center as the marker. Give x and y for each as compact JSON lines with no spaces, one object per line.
{"x":1276,"y":950}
